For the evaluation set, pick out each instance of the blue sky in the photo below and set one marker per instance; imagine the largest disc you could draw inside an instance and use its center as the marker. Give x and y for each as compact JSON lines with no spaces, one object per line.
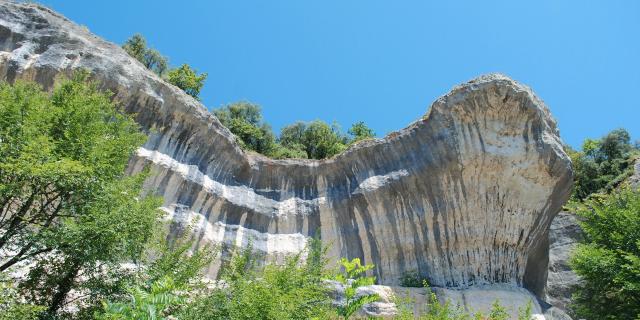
{"x":385,"y":62}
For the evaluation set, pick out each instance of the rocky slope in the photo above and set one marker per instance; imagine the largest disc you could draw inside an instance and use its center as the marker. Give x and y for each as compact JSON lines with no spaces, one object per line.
{"x":465,"y":195}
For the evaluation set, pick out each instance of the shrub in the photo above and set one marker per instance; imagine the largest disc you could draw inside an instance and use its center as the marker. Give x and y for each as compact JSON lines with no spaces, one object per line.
{"x":412,"y":278}
{"x":353,"y":277}
{"x":293,"y":290}
{"x":609,"y":259}
{"x":602,"y":164}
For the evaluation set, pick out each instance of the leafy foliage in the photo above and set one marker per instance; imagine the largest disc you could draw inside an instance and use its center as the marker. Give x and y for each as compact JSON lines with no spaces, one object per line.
{"x":313,"y":140}
{"x":244,"y":120}
{"x":323,"y":141}
{"x":317,"y":139}
{"x":145,"y":305}
{"x":136,"y":46}
{"x":187,"y":79}
{"x":360,"y":131}
{"x":412,"y":278}
{"x":602,"y":164}
{"x":65,"y":203}
{"x":293,"y":290}
{"x":353,"y":277}
{"x":609,"y":261}
{"x":183,"y":77}
{"x":12,"y":307}
{"x":169,"y":272}
{"x":498,"y":312}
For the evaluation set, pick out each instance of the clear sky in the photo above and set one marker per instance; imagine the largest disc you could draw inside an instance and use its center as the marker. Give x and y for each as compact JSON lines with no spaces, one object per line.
{"x":385,"y":62}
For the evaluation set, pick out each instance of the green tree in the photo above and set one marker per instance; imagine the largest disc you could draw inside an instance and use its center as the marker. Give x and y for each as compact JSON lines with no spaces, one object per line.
{"x":323,"y":141}
{"x":136,"y":46}
{"x":293,"y":134}
{"x":352,"y":277}
{"x":113,"y":230}
{"x":317,"y":138}
{"x":602,"y":164}
{"x":244,"y":120}
{"x":360,"y":131}
{"x":290,"y":143}
{"x":11,"y":305}
{"x":66,"y":205}
{"x":295,"y":151}
{"x":183,"y":77}
{"x":609,"y":260}
{"x":187,"y":79}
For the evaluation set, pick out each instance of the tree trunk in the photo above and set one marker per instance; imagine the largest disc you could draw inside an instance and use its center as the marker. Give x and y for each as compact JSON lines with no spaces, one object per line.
{"x":64,"y":287}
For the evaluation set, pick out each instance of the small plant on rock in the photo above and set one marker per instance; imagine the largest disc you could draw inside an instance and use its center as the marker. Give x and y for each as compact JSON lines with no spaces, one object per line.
{"x":412,"y":278}
{"x":353,"y":276}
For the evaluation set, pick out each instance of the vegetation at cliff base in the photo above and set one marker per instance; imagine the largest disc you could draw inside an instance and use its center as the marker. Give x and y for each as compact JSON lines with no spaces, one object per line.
{"x":609,"y":261}
{"x":66,"y":206}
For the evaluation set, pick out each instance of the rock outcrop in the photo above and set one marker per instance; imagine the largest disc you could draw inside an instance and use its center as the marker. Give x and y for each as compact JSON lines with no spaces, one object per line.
{"x":465,"y":195}
{"x":634,"y":179}
{"x":564,"y":235}
{"x":477,"y":299}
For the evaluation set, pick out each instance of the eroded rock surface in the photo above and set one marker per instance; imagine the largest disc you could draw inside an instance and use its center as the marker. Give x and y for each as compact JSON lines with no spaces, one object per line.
{"x":564,"y":235}
{"x":464,"y":195}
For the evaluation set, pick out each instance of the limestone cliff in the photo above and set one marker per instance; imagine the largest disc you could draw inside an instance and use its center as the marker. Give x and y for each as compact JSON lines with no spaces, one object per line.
{"x":564,"y":236}
{"x":464,"y":195}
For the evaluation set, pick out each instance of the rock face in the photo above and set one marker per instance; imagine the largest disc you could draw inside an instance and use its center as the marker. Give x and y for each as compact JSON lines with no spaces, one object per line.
{"x":634,"y":179}
{"x":564,"y":235}
{"x":465,"y":195}
{"x":472,"y":300}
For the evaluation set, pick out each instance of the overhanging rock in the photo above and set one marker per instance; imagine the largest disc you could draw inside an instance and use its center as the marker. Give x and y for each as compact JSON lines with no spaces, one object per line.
{"x":465,"y":195}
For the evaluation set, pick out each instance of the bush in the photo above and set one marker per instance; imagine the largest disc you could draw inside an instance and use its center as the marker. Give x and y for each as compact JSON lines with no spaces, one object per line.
{"x":609,"y":260}
{"x":244,"y":120}
{"x":187,"y":79}
{"x":136,"y":46}
{"x":412,"y":278}
{"x":183,"y":77}
{"x":602,"y":164}
{"x":352,"y":277}
{"x":293,"y":290}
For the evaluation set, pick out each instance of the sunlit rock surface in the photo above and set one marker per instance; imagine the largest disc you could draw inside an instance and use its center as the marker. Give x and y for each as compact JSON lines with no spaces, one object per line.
{"x":465,"y":195}
{"x":473,"y":300}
